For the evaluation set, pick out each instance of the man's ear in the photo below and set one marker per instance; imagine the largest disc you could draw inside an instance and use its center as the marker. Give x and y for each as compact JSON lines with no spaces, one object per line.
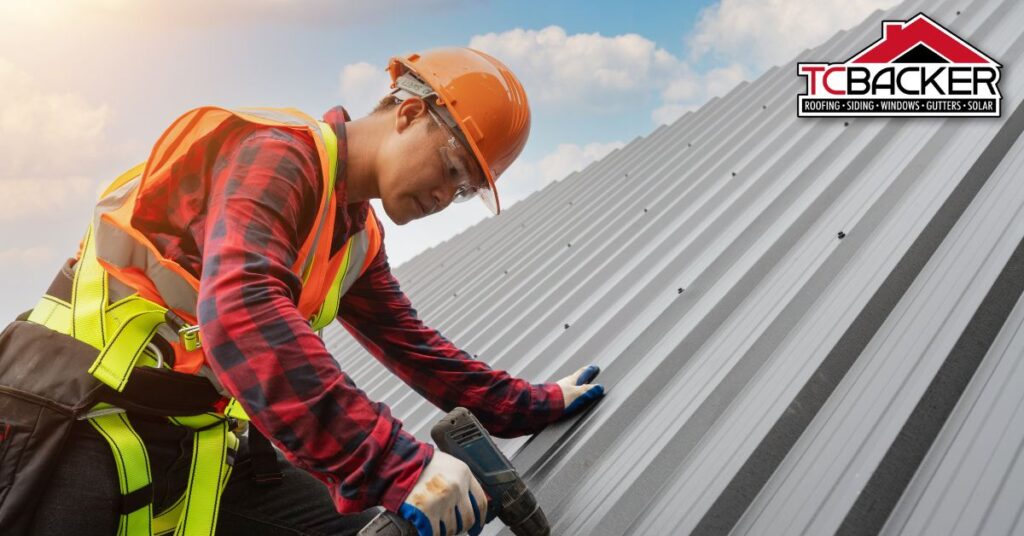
{"x":408,"y":111}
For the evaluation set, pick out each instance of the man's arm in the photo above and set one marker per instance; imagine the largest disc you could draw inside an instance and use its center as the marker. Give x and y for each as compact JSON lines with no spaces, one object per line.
{"x":380,"y":316}
{"x":265,"y":353}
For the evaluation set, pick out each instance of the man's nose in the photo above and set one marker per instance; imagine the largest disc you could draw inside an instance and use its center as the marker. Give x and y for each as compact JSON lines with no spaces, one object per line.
{"x":443,"y":195}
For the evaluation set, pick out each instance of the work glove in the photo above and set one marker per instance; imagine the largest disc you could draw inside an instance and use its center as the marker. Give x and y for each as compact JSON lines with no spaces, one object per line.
{"x":578,"y":392}
{"x":446,"y":500}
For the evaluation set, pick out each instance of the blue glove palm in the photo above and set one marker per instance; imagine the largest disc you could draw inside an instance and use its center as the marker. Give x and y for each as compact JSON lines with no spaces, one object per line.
{"x":579,"y":394}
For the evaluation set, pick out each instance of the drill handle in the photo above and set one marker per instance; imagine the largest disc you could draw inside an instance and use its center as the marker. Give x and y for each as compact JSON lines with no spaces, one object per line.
{"x":388,"y":523}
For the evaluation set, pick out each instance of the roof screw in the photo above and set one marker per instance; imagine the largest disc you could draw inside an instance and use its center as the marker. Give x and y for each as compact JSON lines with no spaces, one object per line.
{"x":626,"y":174}
{"x":846,"y":123}
{"x":764,"y":106}
{"x":475,"y":356}
{"x":569,"y":245}
{"x":958,"y":13}
{"x":841,"y":235}
{"x":733,"y":173}
{"x":679,"y":290}
{"x":455,"y":294}
{"x":689,"y":145}
{"x":645,"y":210}
{"x":506,"y":272}
{"x":567,"y":326}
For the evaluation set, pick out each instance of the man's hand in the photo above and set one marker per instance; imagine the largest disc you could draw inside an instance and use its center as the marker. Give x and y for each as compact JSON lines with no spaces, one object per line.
{"x":446,"y":500}
{"x":578,"y":392}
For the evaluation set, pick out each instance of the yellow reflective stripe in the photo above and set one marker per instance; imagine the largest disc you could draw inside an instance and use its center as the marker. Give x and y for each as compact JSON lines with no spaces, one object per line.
{"x":234,"y":409}
{"x":129,"y":307}
{"x":120,"y":355}
{"x":203,"y":420}
{"x":55,"y":314}
{"x":329,"y":308}
{"x":89,"y":295}
{"x":331,"y":144}
{"x":165,"y":522}
{"x":125,"y":177}
{"x":133,"y":471}
{"x":330,"y":140}
{"x":52,"y":313}
{"x":207,"y":477}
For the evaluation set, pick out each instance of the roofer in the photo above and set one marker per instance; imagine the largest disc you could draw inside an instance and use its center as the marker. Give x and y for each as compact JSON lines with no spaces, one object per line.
{"x":192,"y":308}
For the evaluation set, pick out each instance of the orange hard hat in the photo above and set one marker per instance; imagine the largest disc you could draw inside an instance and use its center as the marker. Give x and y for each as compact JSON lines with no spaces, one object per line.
{"x":483,"y":98}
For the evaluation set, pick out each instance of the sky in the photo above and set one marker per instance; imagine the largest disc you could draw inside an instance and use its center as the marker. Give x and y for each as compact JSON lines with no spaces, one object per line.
{"x":87,"y":86}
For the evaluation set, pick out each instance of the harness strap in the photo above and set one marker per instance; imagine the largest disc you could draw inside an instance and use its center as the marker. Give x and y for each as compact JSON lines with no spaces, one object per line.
{"x":122,"y":352}
{"x":167,"y":521}
{"x":133,"y":474}
{"x":213,"y":455}
{"x":89,"y":297}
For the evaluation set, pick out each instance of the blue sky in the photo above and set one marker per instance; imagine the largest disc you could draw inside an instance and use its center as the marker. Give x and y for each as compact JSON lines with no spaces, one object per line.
{"x":86,"y":86}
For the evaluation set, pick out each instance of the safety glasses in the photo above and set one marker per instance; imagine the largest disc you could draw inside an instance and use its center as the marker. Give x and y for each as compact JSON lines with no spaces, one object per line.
{"x":457,"y":171}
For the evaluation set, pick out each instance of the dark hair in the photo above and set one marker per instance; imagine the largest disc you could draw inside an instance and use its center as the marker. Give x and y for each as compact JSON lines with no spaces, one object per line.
{"x":385,"y":104}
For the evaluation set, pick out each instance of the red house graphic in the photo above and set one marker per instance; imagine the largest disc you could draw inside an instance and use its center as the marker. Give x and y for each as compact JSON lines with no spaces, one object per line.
{"x":919,"y":40}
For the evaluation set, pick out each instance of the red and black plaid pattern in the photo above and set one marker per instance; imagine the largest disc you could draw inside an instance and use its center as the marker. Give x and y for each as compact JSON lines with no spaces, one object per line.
{"x":246,"y":198}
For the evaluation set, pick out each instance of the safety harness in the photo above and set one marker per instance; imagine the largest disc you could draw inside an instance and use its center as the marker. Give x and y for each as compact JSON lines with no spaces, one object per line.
{"x":124,"y":331}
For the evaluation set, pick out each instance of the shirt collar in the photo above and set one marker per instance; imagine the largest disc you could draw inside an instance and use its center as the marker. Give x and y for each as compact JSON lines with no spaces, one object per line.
{"x":350,"y":218}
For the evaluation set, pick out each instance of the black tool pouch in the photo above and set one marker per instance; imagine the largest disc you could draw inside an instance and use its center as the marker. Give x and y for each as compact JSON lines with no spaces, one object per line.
{"x":44,"y":387}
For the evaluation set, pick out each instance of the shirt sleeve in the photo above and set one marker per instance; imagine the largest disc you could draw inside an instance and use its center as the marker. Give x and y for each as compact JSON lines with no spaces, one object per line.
{"x":265,"y":353}
{"x":381,"y":317}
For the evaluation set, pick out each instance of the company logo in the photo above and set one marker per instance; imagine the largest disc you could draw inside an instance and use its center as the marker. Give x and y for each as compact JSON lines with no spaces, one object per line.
{"x":917,"y":68}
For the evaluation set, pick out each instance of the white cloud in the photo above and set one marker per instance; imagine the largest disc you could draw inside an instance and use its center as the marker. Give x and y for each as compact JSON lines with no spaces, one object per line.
{"x":43,"y":131}
{"x":47,"y":139}
{"x":30,"y":257}
{"x":362,"y":86}
{"x":569,"y":157}
{"x":690,"y":89}
{"x":589,"y":70}
{"x":740,"y":39}
{"x":761,"y":33}
{"x":27,"y":199}
{"x":667,"y":114}
{"x":600,"y":74}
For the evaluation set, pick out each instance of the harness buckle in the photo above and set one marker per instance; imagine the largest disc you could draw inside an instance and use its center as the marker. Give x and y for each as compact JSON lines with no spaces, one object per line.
{"x":189,"y":337}
{"x":188,"y":334}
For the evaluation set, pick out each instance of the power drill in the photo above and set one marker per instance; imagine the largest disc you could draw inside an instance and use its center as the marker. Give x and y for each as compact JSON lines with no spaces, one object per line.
{"x":461,"y":435}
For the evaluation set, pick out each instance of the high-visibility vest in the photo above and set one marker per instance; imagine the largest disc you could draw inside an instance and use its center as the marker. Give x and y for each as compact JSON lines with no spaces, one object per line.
{"x":149,"y":294}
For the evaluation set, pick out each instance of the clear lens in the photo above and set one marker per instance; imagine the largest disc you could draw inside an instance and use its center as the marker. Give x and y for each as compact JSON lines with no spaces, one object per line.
{"x":487,"y":196}
{"x":457,"y":171}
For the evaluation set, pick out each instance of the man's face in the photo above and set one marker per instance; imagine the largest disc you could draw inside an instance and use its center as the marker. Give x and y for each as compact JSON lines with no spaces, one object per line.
{"x":420,"y":169}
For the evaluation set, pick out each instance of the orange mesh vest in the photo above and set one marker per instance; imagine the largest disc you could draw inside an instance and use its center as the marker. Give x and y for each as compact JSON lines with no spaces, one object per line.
{"x":126,"y":254}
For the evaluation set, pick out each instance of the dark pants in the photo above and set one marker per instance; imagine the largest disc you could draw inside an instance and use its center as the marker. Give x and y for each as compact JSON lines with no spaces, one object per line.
{"x":83,"y":490}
